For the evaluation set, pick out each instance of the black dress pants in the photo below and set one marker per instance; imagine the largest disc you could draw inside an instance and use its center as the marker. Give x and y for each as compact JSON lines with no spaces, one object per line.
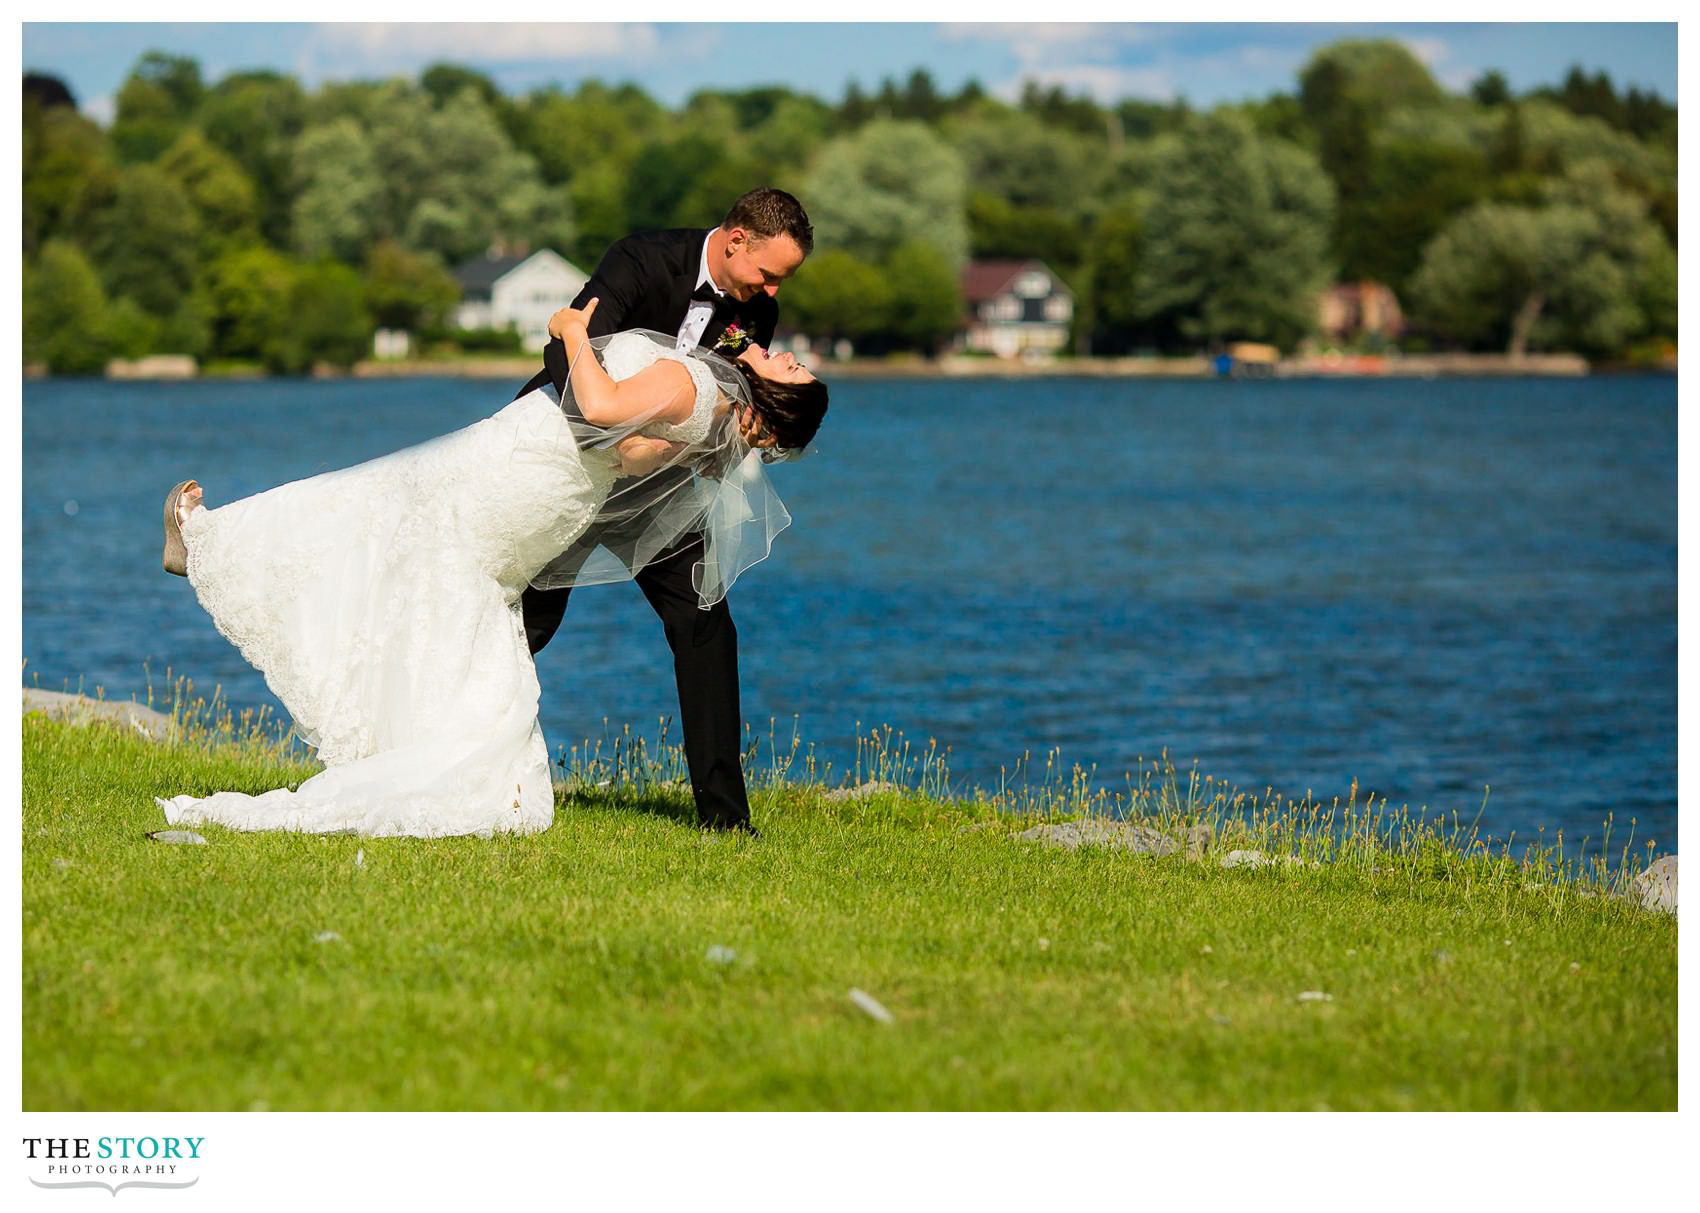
{"x":705,"y":665}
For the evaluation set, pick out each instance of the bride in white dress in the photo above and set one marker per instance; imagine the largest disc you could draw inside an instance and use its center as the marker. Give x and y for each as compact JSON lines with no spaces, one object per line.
{"x":381,"y":602}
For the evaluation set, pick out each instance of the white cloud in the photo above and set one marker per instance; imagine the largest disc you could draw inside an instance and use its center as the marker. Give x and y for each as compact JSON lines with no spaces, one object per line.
{"x":101,"y":110}
{"x":384,"y":45}
{"x":1040,"y":42}
{"x":1430,"y":52}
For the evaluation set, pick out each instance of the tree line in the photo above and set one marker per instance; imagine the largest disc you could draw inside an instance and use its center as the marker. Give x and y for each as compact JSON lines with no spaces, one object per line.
{"x":249,"y":219}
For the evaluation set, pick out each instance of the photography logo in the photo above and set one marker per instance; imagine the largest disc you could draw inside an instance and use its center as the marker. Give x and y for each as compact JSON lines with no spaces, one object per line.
{"x":113,"y":1163}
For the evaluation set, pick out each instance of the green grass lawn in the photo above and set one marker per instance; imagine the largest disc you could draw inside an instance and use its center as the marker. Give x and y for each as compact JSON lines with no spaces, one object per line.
{"x":573,"y":969}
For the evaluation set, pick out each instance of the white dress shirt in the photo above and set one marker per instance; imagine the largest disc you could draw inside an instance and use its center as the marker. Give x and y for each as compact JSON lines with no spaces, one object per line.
{"x":700,"y":312}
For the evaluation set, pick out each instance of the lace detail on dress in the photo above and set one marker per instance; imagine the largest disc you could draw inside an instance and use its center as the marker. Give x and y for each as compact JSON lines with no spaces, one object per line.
{"x":628,"y":353}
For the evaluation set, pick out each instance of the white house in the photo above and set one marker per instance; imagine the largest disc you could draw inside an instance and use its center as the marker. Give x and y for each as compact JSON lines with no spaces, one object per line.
{"x":523,"y":290}
{"x":1014,"y":308}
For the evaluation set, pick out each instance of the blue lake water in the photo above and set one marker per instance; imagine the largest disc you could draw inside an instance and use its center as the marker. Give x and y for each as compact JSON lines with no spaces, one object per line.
{"x":1430,"y":587}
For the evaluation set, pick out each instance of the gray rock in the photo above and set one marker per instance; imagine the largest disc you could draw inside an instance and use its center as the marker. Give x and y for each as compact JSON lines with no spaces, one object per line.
{"x":1655,"y":889}
{"x":81,"y":710}
{"x":179,"y":837}
{"x":719,"y":954}
{"x":862,"y":791}
{"x":1102,"y":832}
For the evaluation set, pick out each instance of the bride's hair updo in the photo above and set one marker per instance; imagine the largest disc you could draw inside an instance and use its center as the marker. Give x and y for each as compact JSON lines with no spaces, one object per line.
{"x":791,"y":412}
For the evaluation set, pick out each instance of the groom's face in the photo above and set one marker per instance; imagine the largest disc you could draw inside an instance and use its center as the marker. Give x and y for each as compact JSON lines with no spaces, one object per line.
{"x":756,"y":266}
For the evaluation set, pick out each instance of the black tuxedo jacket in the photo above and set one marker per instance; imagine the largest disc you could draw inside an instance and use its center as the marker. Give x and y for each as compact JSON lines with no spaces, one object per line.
{"x":644,"y":281}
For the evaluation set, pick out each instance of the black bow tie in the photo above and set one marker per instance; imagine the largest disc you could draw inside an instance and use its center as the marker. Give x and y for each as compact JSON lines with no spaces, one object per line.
{"x":708,"y":294}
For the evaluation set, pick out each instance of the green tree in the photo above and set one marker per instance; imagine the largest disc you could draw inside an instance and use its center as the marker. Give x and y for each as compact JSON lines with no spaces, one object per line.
{"x":664,"y":175}
{"x":446,"y":180}
{"x":1235,"y":241}
{"x":926,"y":297}
{"x":1059,"y":111}
{"x":325,"y":320}
{"x":888,"y":183}
{"x":1491,"y":89}
{"x":226,"y":210}
{"x":836,"y":294}
{"x":1415,"y":186}
{"x":248,"y":294}
{"x":569,"y":134}
{"x":1346,"y":92}
{"x":47,"y":92}
{"x":1377,"y":74}
{"x":1589,"y":270}
{"x":406,"y":290}
{"x":255,"y":118}
{"x":444,"y":81}
{"x":61,"y":151}
{"x":65,"y":312}
{"x":1113,"y":310}
{"x":998,"y":229}
{"x":337,"y":210}
{"x":145,"y":240}
{"x":1014,"y":156}
{"x":157,"y":100}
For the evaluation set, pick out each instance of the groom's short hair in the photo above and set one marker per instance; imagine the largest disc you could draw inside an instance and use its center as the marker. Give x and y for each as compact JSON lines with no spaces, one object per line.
{"x":768,"y":213}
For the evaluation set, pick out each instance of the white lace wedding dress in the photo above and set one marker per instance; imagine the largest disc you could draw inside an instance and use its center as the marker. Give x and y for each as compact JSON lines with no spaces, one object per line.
{"x":381,"y":602}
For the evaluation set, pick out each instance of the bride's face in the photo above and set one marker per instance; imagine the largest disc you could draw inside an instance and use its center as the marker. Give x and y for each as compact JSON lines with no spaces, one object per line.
{"x":783,"y":368}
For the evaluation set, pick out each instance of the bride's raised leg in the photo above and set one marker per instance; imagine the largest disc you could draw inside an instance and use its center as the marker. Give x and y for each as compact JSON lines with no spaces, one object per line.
{"x":183,"y":500}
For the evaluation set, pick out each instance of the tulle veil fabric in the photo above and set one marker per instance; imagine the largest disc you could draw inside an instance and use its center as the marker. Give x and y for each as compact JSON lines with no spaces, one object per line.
{"x":715,"y":486}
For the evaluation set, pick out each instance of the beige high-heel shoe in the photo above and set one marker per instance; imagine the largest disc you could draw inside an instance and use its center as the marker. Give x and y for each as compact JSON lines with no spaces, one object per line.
{"x":176,"y":556}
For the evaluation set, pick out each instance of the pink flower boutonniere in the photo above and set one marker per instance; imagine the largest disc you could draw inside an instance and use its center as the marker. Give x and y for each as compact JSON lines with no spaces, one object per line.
{"x":733,"y":341}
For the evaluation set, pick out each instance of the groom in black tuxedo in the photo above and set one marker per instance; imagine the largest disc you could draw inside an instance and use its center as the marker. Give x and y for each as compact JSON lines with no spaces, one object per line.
{"x":697,"y":283}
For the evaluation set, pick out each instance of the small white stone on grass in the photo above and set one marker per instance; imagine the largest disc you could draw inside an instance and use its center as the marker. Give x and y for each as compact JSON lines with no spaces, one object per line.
{"x":63,"y":865}
{"x":1574,"y":967}
{"x":179,"y":838}
{"x":719,"y":955}
{"x":327,"y":937}
{"x":1044,"y":944}
{"x":1208,"y":950}
{"x":1314,"y":996}
{"x":360,"y":857}
{"x":870,"y":1004}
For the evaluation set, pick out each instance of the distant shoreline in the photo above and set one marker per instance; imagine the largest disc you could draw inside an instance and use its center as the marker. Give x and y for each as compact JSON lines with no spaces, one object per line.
{"x":1411,"y":366}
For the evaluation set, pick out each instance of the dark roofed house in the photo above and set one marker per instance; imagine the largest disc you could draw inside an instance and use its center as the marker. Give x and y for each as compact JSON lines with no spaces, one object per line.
{"x":1015,"y":308}
{"x":523,"y":290}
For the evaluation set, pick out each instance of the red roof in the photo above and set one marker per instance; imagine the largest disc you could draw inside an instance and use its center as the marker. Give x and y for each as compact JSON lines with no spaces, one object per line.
{"x":983,"y":280}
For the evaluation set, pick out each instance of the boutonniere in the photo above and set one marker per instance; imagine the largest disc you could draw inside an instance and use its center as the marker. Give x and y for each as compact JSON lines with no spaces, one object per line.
{"x":733,"y":341}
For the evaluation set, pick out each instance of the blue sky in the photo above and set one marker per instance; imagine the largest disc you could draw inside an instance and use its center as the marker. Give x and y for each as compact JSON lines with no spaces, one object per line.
{"x":1204,"y":62}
